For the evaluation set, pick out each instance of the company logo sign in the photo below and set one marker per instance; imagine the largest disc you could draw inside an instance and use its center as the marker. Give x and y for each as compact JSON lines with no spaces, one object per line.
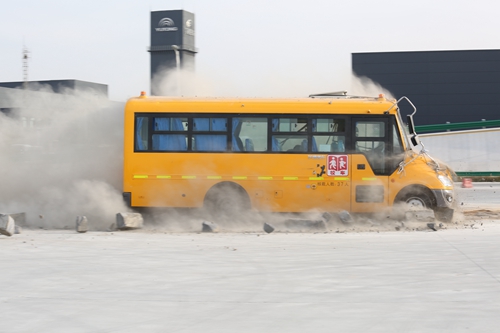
{"x":166,"y":24}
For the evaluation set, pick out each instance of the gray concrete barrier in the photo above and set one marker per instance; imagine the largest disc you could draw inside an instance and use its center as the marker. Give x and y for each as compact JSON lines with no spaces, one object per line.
{"x":7,"y":225}
{"x":126,"y":221}
{"x":82,"y":224}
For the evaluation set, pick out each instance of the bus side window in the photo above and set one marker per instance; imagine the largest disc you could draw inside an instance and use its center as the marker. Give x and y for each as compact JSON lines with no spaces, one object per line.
{"x":328,"y":135}
{"x":141,"y":133}
{"x":210,"y":142}
{"x":169,"y":142}
{"x":289,"y":135}
{"x":249,"y":134}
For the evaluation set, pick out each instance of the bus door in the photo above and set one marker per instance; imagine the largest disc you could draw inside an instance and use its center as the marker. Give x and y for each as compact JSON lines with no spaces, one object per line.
{"x":369,"y":163}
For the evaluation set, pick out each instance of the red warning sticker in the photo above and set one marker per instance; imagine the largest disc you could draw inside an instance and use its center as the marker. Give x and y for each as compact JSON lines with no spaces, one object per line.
{"x":338,"y":165}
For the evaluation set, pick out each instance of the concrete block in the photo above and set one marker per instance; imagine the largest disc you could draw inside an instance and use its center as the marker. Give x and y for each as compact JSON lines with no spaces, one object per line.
{"x":126,"y":221}
{"x":82,"y":224}
{"x":19,"y":219}
{"x":207,"y":226}
{"x":18,"y":229}
{"x":432,"y":226}
{"x":345,"y":217}
{"x":302,"y":224}
{"x":268,"y":228}
{"x":7,"y":225}
{"x":326,"y":216}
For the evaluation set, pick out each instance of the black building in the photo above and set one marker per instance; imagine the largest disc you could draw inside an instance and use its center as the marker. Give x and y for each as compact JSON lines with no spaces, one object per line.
{"x":172,"y":41}
{"x":445,"y":86}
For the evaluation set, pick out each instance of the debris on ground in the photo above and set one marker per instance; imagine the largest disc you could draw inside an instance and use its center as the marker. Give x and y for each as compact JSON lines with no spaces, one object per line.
{"x":268,"y":228}
{"x":345,"y":217}
{"x":82,"y":224}
{"x":432,"y":226}
{"x":208,"y":226}
{"x":420,"y":215}
{"x":304,"y":224}
{"x":127,"y":221}
{"x":7,"y":225}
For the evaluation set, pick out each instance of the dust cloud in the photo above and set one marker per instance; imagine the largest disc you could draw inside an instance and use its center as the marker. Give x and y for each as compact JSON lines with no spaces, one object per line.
{"x":61,"y":158}
{"x":363,"y":86}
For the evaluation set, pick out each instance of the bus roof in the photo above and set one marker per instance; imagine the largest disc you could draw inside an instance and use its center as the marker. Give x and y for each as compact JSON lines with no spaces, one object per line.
{"x":326,"y":105}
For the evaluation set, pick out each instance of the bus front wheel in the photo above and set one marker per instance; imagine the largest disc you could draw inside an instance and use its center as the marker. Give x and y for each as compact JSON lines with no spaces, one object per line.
{"x":412,"y":199}
{"x":227,"y":200}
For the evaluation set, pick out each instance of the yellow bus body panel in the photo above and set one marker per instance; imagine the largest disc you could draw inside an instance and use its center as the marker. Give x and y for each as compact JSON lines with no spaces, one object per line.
{"x":274,"y":182}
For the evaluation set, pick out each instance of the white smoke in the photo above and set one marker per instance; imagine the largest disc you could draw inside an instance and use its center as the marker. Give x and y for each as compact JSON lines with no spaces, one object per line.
{"x":364,"y":86}
{"x":62,"y":157}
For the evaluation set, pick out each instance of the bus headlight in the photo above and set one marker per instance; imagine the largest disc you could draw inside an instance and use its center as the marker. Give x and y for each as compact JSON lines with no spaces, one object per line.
{"x":445,"y":181}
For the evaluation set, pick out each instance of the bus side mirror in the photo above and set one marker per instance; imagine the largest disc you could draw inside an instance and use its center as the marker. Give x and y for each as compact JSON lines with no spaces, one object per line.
{"x":415,"y":140}
{"x":411,"y":126}
{"x":413,"y":135}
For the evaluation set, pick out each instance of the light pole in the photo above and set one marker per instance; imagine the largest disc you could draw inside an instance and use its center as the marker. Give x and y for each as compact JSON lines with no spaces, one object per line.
{"x":178,"y":67}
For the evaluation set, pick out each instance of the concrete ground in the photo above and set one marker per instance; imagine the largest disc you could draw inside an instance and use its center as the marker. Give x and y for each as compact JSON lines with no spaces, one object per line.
{"x":153,"y":281}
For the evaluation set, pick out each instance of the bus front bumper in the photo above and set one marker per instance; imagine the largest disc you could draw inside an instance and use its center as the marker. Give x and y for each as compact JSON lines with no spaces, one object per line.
{"x":444,"y":198}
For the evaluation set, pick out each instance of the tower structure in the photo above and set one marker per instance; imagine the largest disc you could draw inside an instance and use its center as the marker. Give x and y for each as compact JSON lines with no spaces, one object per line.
{"x":172,"y":42}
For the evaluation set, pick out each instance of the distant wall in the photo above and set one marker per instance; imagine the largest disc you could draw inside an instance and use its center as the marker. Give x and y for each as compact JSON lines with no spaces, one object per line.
{"x":464,"y":151}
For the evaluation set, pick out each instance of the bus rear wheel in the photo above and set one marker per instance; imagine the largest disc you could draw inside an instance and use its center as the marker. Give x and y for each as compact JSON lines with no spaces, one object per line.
{"x":227,"y":201}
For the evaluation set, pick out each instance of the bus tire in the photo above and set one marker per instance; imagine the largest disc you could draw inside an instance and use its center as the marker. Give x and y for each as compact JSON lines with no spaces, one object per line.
{"x":227,"y":200}
{"x":414,"y":198}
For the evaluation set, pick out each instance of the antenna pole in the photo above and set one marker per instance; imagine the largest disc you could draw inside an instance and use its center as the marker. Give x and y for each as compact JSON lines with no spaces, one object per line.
{"x":25,"y":67}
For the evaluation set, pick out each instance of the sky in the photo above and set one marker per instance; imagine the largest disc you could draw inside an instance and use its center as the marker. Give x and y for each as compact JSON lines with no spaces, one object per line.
{"x":246,"y":48}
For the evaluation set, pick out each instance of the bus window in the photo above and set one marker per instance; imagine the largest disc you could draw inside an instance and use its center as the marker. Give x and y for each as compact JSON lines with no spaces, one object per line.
{"x":286,"y":135}
{"x":323,"y":138}
{"x":141,"y":133}
{"x":370,"y":140}
{"x":249,"y":134}
{"x":365,"y":129}
{"x":164,"y":141}
{"x":209,"y":141}
{"x":397,"y":146}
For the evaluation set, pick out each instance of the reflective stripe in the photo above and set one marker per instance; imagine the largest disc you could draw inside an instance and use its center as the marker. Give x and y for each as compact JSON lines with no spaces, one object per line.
{"x":316,"y":178}
{"x":368,"y":178}
{"x":188,"y":177}
{"x":163,"y":177}
{"x":265,"y":178}
{"x":290,"y":178}
{"x":214,"y":177}
{"x":239,"y":177}
{"x":341,"y":178}
{"x":140,"y":176}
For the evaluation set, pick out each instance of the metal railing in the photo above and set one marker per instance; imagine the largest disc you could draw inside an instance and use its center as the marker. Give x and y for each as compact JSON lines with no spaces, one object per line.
{"x":457,"y":126}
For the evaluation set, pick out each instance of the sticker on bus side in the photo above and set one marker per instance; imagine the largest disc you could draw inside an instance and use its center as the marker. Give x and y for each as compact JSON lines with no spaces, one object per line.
{"x":338,"y":165}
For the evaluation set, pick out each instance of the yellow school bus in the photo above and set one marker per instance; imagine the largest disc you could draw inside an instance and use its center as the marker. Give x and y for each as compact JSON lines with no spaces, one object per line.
{"x":329,"y":152}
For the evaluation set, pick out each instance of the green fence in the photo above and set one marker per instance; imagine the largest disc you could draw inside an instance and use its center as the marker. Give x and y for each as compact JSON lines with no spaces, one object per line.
{"x":457,"y":126}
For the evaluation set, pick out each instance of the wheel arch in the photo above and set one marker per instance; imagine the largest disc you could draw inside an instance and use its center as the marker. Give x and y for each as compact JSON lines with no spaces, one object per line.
{"x":415,"y":189}
{"x":227,"y":187}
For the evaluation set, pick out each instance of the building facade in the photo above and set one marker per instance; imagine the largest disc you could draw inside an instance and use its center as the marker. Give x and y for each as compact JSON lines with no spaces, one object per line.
{"x":172,"y":41}
{"x":445,"y":86}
